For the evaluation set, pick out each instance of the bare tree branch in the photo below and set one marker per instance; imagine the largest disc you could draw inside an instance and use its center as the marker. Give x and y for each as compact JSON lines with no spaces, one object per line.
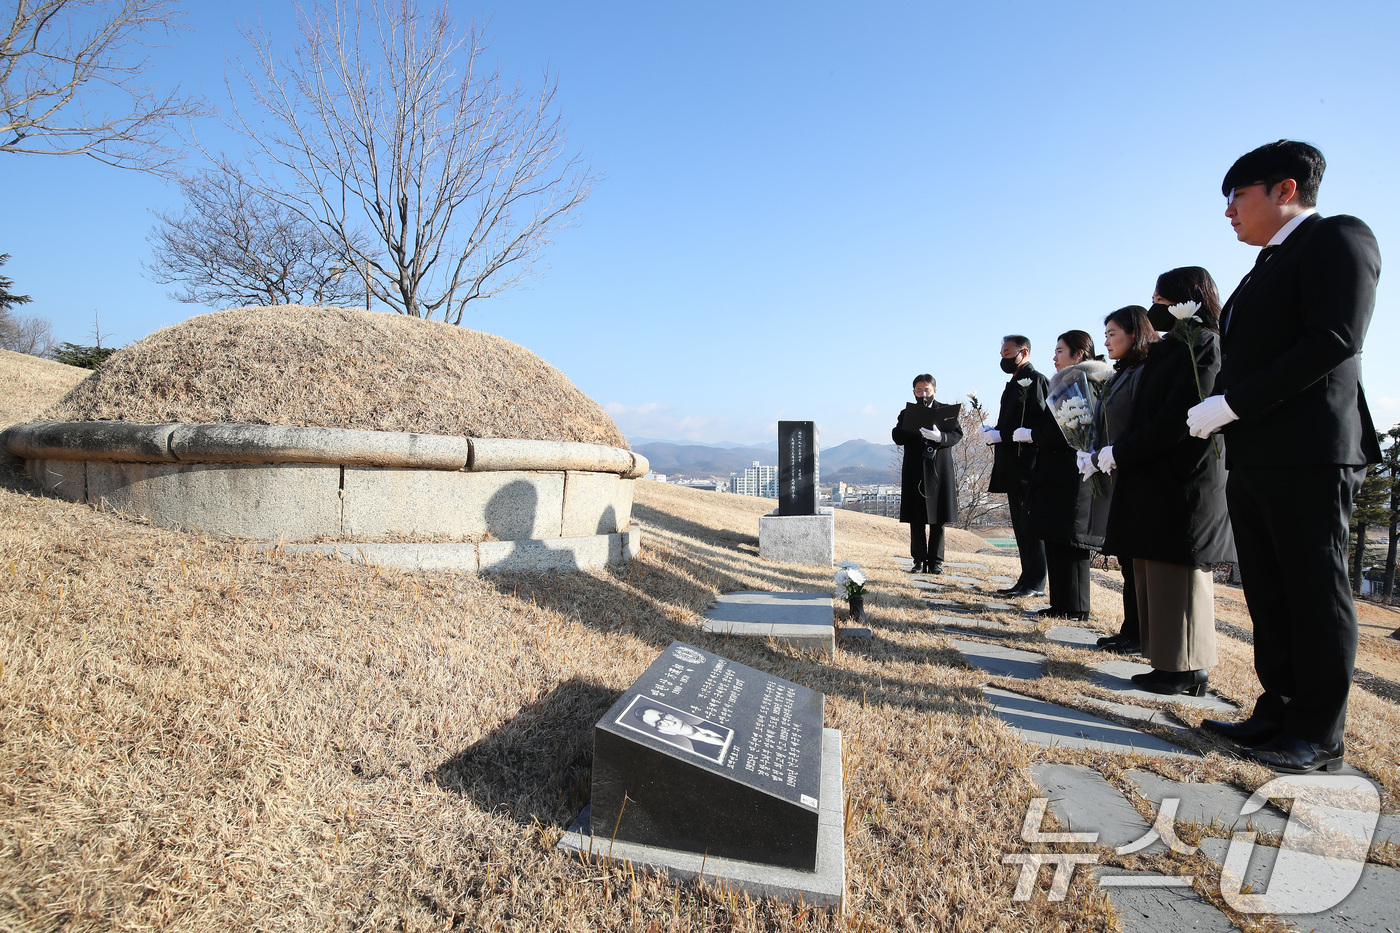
{"x":233,"y":246}
{"x":69,"y":83}
{"x":383,"y":121}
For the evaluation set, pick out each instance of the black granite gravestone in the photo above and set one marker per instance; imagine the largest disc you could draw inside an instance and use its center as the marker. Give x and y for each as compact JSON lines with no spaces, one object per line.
{"x":797,"y":468}
{"x":706,"y":755}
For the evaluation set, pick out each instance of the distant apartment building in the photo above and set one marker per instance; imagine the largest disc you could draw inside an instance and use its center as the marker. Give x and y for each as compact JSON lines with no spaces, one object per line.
{"x":757,"y":480}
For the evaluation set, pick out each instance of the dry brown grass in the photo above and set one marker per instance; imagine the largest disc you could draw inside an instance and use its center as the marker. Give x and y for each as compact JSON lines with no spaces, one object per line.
{"x":31,"y":385}
{"x":200,"y":735}
{"x":338,"y":368}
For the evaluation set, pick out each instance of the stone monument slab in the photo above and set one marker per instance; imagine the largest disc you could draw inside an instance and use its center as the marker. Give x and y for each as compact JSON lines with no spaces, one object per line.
{"x":797,"y":468}
{"x":705,"y":755}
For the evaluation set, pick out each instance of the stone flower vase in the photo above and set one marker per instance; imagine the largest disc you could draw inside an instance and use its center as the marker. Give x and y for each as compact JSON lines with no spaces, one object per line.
{"x":857,"y":606}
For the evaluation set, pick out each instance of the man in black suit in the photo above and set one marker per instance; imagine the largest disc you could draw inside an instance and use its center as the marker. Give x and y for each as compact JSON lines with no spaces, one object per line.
{"x":1298,"y":439}
{"x":1022,"y":403}
{"x":928,"y":487}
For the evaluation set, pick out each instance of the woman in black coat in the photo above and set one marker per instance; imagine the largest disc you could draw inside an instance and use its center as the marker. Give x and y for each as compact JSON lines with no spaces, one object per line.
{"x":1058,"y":510}
{"x":1169,"y":508}
{"x":1127,"y":337}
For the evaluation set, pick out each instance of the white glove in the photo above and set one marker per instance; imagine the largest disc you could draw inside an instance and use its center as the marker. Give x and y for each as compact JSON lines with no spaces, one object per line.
{"x":1021,"y":435}
{"x":1085,"y":459}
{"x":1210,"y":416}
{"x":931,"y":434}
{"x":1106,"y":463}
{"x":990,"y":434}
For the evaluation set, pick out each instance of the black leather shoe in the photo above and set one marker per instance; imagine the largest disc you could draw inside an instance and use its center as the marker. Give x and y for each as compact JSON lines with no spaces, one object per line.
{"x":1023,"y":591}
{"x":1008,"y":590}
{"x":1292,"y":755}
{"x":1247,"y":732}
{"x":1148,"y":677}
{"x":1173,"y":683}
{"x":1120,"y":644}
{"x":917,"y":568}
{"x":1063,"y":614}
{"x":933,"y":568}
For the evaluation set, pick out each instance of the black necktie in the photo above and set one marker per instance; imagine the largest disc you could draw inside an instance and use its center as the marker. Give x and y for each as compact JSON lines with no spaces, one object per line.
{"x":1259,"y":261}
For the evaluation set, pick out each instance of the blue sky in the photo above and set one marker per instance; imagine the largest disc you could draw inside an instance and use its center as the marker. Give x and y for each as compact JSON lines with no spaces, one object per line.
{"x":805,"y":204}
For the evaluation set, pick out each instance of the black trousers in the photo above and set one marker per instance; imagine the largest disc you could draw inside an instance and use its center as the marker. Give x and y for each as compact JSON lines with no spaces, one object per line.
{"x":926,"y":543}
{"x":1031,"y":549}
{"x":1068,"y":569}
{"x":1291,"y":526}
{"x":1130,"y":628}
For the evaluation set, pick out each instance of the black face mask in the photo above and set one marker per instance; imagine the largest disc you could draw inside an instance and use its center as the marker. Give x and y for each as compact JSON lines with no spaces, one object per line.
{"x":1009,"y":366}
{"x":1160,"y":318}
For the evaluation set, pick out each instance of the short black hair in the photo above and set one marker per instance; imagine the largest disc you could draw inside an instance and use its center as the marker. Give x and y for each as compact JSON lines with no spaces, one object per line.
{"x":925,"y":377}
{"x":1274,"y":162}
{"x":1022,"y":343}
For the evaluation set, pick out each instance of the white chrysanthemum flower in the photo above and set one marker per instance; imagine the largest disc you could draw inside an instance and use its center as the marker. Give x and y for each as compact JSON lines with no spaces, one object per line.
{"x":1023,"y":382}
{"x":1184,"y":310}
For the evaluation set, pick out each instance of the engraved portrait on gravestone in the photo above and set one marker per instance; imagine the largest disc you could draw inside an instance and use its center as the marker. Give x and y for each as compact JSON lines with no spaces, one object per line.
{"x":677,"y":727}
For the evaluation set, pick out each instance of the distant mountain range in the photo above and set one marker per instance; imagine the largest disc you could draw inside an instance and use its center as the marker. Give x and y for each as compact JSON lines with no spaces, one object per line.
{"x":859,"y":462}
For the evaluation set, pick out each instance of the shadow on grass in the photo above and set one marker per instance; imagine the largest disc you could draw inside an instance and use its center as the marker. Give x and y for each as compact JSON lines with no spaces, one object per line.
{"x":537,"y":766}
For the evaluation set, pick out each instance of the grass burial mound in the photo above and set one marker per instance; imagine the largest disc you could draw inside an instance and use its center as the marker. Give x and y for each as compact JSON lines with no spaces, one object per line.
{"x":31,"y":385}
{"x":202,"y":735}
{"x":338,"y":368}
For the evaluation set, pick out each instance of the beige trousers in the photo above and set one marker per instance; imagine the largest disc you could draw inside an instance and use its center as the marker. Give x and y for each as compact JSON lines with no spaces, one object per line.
{"x":1176,"y":612}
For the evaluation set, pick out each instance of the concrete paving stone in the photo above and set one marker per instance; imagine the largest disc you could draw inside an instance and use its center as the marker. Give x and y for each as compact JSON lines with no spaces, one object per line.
{"x":1207,"y":803}
{"x":1074,"y":636}
{"x":1000,"y":661}
{"x":1002,"y":579}
{"x":854,"y":633}
{"x":1055,"y":726}
{"x":1370,"y":905}
{"x":1145,"y":905}
{"x":1145,"y":716}
{"x":955,"y":578}
{"x":805,"y":620}
{"x":965,"y":565}
{"x":973,"y":622}
{"x":926,"y":585}
{"x":1117,"y":676}
{"x":994,"y":606}
{"x":1084,"y":802}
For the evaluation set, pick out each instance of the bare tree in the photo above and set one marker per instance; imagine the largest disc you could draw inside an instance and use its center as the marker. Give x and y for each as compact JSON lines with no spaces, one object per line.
{"x":69,"y":73}
{"x":384,"y":120}
{"x":972,"y":469}
{"x":234,"y":246}
{"x":18,"y":332}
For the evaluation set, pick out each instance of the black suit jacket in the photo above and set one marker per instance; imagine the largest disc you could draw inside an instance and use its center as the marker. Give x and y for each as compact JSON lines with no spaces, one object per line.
{"x":1013,"y":464}
{"x":1292,"y":345}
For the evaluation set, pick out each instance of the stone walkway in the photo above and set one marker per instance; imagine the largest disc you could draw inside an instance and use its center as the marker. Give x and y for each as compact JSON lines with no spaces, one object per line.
{"x":1085,"y":803}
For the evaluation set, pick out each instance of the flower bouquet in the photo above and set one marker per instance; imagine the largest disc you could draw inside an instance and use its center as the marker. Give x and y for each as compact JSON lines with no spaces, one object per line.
{"x":853,"y":580}
{"x":1074,"y":397}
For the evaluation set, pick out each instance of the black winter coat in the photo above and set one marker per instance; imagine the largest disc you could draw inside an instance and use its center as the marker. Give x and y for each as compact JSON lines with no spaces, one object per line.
{"x":1111,"y":421}
{"x":1169,"y":488}
{"x":1059,"y":508}
{"x":1012,"y":464}
{"x":928,"y":492}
